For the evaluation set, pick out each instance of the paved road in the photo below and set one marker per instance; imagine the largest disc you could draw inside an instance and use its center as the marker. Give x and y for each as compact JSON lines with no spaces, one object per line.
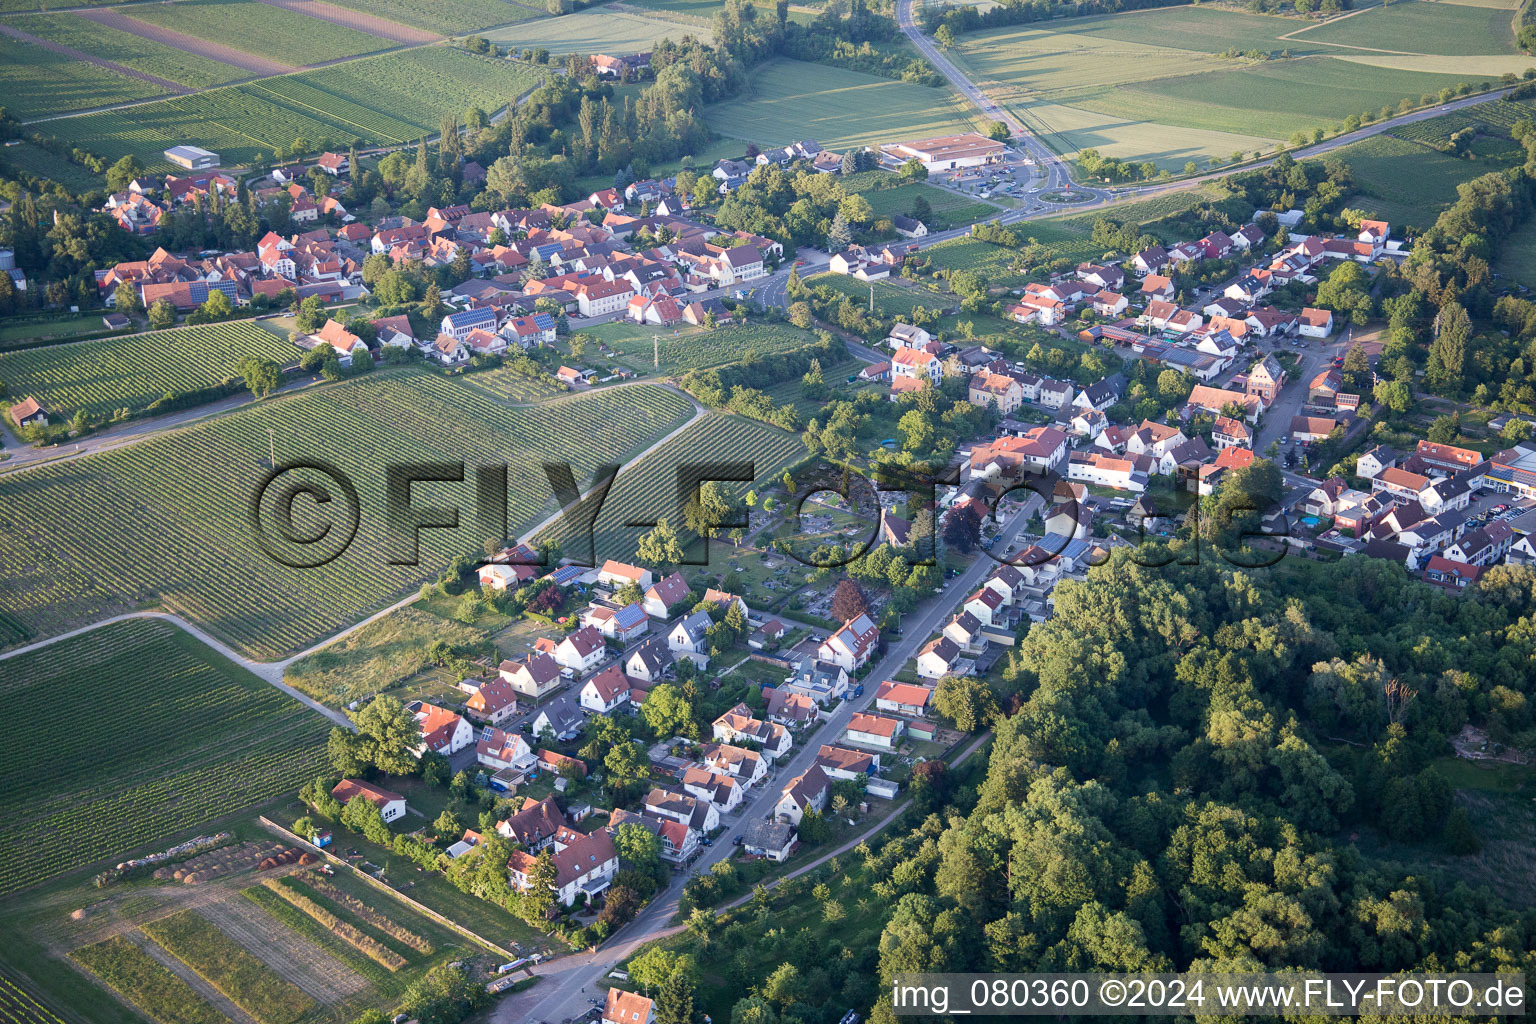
{"x":580,"y":972}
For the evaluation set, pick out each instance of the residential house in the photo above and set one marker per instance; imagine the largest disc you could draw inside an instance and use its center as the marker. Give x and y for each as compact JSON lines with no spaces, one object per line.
{"x":664,"y":595}
{"x":939,"y":657}
{"x":1315,"y":323}
{"x":605,"y":692}
{"x":620,"y":574}
{"x":584,"y":866}
{"x":852,"y":645}
{"x":807,"y":791}
{"x":1265,"y":379}
{"x":1451,"y":574}
{"x":903,"y":698}
{"x":1376,"y":459}
{"x":628,"y":1008}
{"x":391,"y":805}
{"x":695,"y":813}
{"x":842,"y":763}
{"x":650,"y":662}
{"x":459,"y":325}
{"x":499,"y":750}
{"x":442,"y":731}
{"x":621,"y":624}
{"x":560,"y":718}
{"x":1231,"y":433}
{"x":689,"y":635}
{"x":771,"y":840}
{"x":493,"y":702}
{"x":534,"y":676}
{"x":737,"y":724}
{"x":875,"y":730}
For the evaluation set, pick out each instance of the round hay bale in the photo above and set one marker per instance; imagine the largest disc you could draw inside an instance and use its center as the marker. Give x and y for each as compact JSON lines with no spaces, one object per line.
{"x":77,"y":915}
{"x":307,"y":858}
{"x":178,"y":874}
{"x":193,"y":878}
{"x":266,"y":863}
{"x":161,"y":873}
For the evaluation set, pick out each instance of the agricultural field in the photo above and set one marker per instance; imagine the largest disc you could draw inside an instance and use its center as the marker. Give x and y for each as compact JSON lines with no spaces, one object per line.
{"x":146,"y":55}
{"x":1496,"y":118}
{"x":648,"y":490}
{"x":143,"y":982}
{"x":133,"y":371}
{"x":1149,"y":85}
{"x":39,"y":82}
{"x":704,"y":11}
{"x":377,"y":657}
{"x":30,"y":158}
{"x":596,"y":30}
{"x":507,"y":384}
{"x":1410,"y":184}
{"x":185,"y":499}
{"x":838,"y":108}
{"x":226,"y":965}
{"x":18,"y":1006}
{"x":949,"y":209}
{"x":1419,"y":26}
{"x":448,"y":17}
{"x":381,"y":100}
{"x":28,"y":330}
{"x":686,"y":348}
{"x":190,"y":737}
{"x":272,"y":32}
{"x":890,"y":299}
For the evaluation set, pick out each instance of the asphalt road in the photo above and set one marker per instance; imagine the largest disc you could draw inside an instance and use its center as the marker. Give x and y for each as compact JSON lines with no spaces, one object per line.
{"x":575,"y":977}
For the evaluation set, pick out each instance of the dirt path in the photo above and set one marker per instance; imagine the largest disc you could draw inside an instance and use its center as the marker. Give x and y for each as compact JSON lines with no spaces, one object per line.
{"x":357,"y":20}
{"x":215,"y":998}
{"x":288,"y":953}
{"x":202,"y":47}
{"x":175,"y":88}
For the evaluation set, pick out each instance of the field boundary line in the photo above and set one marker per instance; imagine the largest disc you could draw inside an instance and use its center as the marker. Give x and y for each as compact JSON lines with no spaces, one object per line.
{"x":172,"y":88}
{"x":425,"y":911}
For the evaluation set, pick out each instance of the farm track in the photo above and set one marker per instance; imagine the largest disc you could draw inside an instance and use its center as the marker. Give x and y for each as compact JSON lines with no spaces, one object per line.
{"x":174,"y":88}
{"x":259,"y":66}
{"x":211,"y":995}
{"x":290,"y":955}
{"x":357,"y":20}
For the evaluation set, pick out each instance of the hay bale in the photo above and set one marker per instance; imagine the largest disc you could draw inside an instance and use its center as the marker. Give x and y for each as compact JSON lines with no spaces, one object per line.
{"x":178,"y":874}
{"x":77,"y":915}
{"x":267,"y":862}
{"x":307,"y":858}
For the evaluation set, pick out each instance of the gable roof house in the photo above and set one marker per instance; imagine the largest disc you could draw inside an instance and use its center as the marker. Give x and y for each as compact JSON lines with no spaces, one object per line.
{"x":903,"y":698}
{"x":500,"y":750}
{"x":442,"y":731}
{"x":880,"y":731}
{"x":535,"y":675}
{"x":605,"y":691}
{"x":807,"y":791}
{"x":852,"y":645}
{"x":663,"y":595}
{"x":493,"y":702}
{"x":584,"y":865}
{"x":391,"y":805}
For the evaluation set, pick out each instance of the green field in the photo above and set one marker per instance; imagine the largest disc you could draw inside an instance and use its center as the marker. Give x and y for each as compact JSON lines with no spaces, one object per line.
{"x":1516,"y":257}
{"x":382,"y":100}
{"x":506,"y":383}
{"x":1419,"y":26}
{"x":704,"y":11}
{"x":596,"y":30}
{"x":189,"y":737}
{"x":950,"y":209}
{"x":144,"y":982}
{"x":180,"y":504}
{"x":450,"y":17}
{"x":648,"y":490}
{"x":38,"y":82}
{"x":228,"y":967}
{"x":686,"y":348}
{"x":1496,"y":117}
{"x":146,"y":55}
{"x":33,"y":159}
{"x":131,"y":372}
{"x":272,"y":32}
{"x":380,"y":655}
{"x":1410,"y":184}
{"x":890,"y":299}
{"x":19,"y":331}
{"x":792,"y":100}
{"x":1149,"y":85}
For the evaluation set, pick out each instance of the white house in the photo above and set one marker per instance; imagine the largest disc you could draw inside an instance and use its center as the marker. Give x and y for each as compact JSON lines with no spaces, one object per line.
{"x":939,"y":657}
{"x":690,"y":634}
{"x":852,"y":645}
{"x":875,"y":730}
{"x":584,"y":864}
{"x":903,"y":698}
{"x":580,"y":651}
{"x":442,"y":731}
{"x":391,"y":805}
{"x":535,"y":676}
{"x":605,"y":692}
{"x":497,"y":749}
{"x":805,"y":792}
{"x":664,"y":594}
{"x":621,"y":574}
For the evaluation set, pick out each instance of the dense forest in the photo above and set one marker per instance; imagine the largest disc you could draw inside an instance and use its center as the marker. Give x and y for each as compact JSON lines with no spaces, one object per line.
{"x":1193,"y":767}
